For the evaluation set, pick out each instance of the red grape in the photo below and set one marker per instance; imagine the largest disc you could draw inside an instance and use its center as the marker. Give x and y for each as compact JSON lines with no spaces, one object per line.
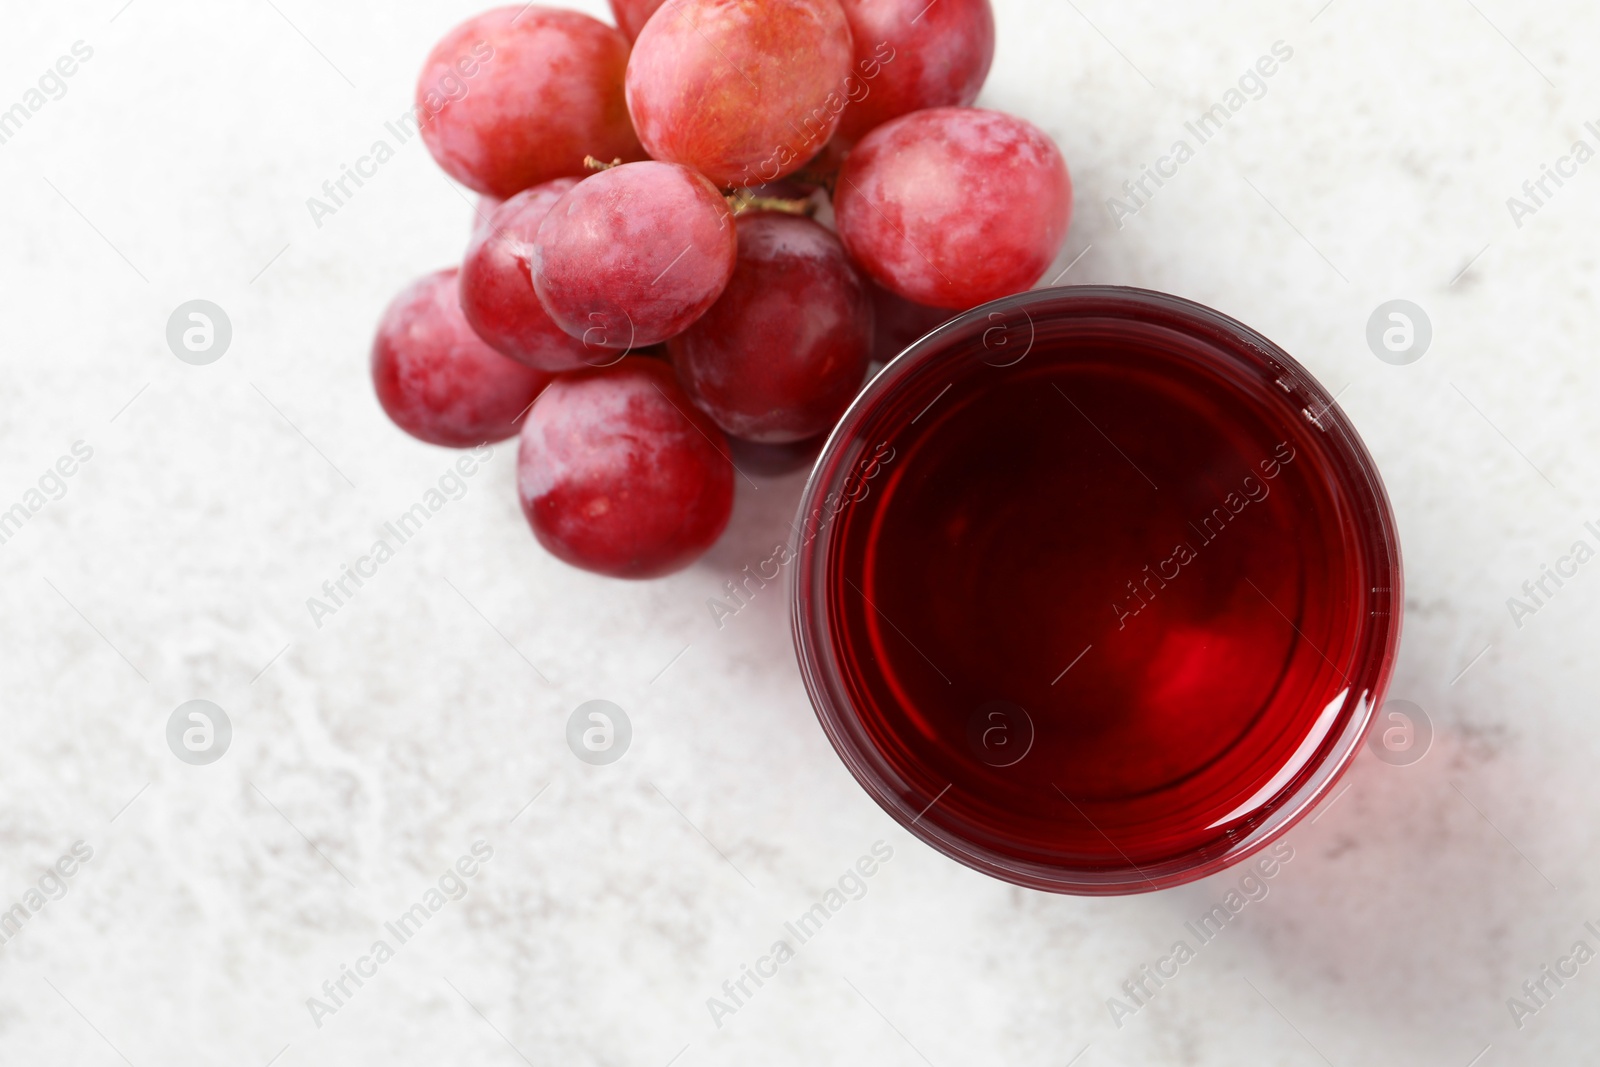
{"x":780,"y":356}
{"x":954,"y":207}
{"x":633,"y":14}
{"x":634,"y":255}
{"x":912,"y":55}
{"x":518,"y":96}
{"x":437,"y":380}
{"x":744,"y":91}
{"x":497,"y":294}
{"x":620,"y":475}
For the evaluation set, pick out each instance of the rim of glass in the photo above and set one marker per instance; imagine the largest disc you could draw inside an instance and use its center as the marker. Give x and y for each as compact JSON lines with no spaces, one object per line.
{"x":1357,"y":478}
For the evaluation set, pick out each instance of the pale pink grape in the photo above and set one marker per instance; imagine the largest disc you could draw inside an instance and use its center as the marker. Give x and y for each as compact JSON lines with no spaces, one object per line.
{"x":518,"y":96}
{"x":497,"y":294}
{"x":633,"y":255}
{"x":954,"y":207}
{"x":620,"y":475}
{"x":744,"y":91}
{"x":437,"y":380}
{"x":911,"y":55}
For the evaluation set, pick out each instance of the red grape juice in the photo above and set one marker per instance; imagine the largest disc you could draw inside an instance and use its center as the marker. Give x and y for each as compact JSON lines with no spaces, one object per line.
{"x":1097,"y":590}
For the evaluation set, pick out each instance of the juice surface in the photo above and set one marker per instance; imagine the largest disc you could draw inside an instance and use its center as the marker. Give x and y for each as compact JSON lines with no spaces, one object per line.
{"x":1103,"y":603}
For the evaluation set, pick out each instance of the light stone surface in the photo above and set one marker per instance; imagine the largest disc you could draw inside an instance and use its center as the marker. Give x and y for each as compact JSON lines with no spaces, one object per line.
{"x":369,"y":754}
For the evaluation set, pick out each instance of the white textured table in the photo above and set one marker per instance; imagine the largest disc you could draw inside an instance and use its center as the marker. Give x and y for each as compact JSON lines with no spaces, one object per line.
{"x":369,"y":755}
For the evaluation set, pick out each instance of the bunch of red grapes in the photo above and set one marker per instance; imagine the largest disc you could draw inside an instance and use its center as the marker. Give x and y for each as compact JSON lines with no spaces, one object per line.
{"x":698,"y":233}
